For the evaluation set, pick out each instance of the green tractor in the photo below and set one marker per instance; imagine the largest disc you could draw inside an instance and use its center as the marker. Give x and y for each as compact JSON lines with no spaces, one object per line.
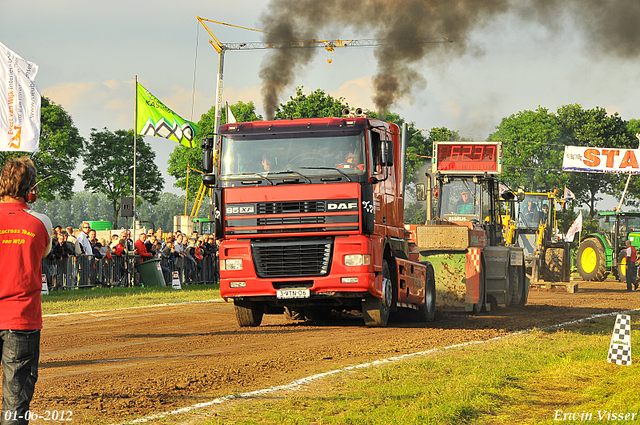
{"x":603,"y":252}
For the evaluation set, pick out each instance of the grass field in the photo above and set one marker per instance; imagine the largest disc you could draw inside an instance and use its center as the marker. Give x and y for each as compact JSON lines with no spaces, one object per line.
{"x":540,"y":377}
{"x":92,"y":299}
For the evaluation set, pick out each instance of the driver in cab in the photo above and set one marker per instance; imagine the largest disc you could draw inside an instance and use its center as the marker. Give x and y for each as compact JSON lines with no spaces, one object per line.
{"x":352,"y":161}
{"x":464,"y":204}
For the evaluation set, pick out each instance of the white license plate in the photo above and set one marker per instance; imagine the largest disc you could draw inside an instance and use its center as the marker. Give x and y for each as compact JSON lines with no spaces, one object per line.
{"x":292,"y":293}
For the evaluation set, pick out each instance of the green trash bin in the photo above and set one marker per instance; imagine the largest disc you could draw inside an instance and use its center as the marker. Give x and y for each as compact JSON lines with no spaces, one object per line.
{"x":151,"y":272}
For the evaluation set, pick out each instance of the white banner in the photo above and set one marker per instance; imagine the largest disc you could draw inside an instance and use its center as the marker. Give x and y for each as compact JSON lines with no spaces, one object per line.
{"x":19,"y":103}
{"x":575,"y":228}
{"x":601,"y":160}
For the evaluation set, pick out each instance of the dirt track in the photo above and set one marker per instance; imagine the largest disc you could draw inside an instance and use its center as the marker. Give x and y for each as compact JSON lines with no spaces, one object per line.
{"x":127,"y":364}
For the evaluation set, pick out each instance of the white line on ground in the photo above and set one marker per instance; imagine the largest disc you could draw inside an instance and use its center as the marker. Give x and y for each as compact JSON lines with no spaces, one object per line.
{"x":309,"y":379}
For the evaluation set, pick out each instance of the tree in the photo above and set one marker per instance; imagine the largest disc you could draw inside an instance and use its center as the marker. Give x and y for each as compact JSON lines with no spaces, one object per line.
{"x":184,"y":157}
{"x":533,"y":148}
{"x":594,"y":127}
{"x":60,"y":147}
{"x":317,"y":104}
{"x":109,"y":168}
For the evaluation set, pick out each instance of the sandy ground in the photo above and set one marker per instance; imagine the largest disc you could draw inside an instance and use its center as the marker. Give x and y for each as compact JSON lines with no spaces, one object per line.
{"x":116,"y":366}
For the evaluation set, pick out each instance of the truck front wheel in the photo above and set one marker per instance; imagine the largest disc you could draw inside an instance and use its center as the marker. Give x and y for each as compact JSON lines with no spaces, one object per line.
{"x":376,"y":310}
{"x":248,"y":313}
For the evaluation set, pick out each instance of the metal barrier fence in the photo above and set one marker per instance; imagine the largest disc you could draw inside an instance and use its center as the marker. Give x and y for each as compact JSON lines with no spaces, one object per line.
{"x":88,"y":271}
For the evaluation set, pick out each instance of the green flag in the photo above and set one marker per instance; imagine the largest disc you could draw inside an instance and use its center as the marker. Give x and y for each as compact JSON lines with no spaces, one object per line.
{"x":156,"y":119}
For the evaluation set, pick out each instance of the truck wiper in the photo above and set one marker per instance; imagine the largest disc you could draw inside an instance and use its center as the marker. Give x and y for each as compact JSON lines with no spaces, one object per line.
{"x":293,"y":172}
{"x":327,"y":168}
{"x":249,"y":174}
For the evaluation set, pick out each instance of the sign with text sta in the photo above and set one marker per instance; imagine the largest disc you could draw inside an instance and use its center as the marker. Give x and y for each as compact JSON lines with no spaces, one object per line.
{"x":588,"y":159}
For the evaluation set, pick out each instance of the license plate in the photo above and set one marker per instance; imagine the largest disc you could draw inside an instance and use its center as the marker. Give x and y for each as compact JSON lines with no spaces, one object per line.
{"x":292,"y":293}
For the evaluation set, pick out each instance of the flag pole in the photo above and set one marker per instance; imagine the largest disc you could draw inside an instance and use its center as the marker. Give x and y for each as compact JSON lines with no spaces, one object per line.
{"x":135,"y":147}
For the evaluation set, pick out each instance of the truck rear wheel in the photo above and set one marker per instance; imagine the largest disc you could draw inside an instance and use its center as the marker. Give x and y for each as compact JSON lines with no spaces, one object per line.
{"x":553,"y":262}
{"x":427,"y":312}
{"x":376,"y":310}
{"x":248,"y":313}
{"x":590,"y":260}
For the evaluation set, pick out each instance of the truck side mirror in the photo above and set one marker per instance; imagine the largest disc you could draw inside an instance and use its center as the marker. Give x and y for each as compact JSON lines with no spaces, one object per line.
{"x":386,"y":152}
{"x":207,"y":155}
{"x":421,"y":194}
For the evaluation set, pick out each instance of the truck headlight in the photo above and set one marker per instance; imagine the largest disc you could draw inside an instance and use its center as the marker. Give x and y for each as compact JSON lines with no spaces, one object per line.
{"x":233,"y":264}
{"x":357,"y":260}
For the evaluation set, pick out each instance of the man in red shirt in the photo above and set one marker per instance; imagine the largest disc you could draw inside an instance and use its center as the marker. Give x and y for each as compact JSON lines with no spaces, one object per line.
{"x":24,"y":240}
{"x":141,"y":249}
{"x":631,"y":271}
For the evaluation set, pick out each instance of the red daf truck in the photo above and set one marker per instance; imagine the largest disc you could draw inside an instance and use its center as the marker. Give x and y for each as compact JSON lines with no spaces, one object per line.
{"x":310,"y":213}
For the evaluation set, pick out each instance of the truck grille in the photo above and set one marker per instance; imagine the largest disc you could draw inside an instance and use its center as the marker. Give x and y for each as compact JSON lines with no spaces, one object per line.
{"x":292,"y":258}
{"x":338,"y":216}
{"x":293,"y":207}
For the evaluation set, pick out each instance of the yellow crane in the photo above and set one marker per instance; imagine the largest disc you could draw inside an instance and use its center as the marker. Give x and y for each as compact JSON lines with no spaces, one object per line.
{"x":297,"y":43}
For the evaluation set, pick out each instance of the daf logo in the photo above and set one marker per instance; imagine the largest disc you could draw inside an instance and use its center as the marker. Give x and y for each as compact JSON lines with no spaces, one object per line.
{"x":342,"y":206}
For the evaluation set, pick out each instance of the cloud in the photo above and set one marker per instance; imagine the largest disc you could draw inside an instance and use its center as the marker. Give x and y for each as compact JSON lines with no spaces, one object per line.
{"x":357,"y":93}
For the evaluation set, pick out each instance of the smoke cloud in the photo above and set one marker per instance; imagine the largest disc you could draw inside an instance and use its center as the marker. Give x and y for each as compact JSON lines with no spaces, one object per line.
{"x":609,"y":28}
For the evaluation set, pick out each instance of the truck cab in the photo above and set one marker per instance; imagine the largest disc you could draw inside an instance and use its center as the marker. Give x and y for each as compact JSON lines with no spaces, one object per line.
{"x":310,"y":213}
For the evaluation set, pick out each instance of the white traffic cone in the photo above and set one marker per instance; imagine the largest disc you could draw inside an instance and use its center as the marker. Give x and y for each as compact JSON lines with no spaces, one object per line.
{"x":620,"y":347}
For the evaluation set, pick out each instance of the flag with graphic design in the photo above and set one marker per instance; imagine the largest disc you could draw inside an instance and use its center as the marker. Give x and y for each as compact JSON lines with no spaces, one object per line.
{"x":568,"y":194}
{"x":19,"y":103}
{"x":575,"y":228}
{"x":156,"y":119}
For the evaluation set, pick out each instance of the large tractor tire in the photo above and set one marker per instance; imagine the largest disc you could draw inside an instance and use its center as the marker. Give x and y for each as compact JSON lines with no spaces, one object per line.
{"x":622,"y":266}
{"x":248,"y":313}
{"x":591,"y":261}
{"x":376,"y":310}
{"x":553,"y":264}
{"x":427,"y":312}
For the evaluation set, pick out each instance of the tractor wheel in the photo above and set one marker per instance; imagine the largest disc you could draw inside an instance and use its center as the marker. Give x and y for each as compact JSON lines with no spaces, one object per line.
{"x":427,"y":312}
{"x":248,"y":313}
{"x":590,"y":260}
{"x":376,"y":310}
{"x":622,"y":266}
{"x":553,"y":262}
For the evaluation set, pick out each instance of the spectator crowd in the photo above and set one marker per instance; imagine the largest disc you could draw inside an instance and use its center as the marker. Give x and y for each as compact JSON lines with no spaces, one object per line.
{"x":176,"y":250}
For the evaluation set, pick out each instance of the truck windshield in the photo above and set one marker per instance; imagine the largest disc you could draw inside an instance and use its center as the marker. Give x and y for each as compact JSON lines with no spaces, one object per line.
{"x":309,"y":154}
{"x":460,"y":200}
{"x":532,"y":212}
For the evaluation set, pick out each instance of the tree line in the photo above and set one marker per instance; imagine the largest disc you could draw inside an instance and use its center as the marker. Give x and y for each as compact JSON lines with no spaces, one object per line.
{"x":533,"y":145}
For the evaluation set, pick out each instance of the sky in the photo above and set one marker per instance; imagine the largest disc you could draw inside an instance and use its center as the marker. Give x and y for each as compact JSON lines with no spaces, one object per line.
{"x":89,"y":53}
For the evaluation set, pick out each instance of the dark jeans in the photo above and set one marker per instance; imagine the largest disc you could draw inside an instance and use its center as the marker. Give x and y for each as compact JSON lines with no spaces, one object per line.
{"x":631,"y":274}
{"x":20,"y":355}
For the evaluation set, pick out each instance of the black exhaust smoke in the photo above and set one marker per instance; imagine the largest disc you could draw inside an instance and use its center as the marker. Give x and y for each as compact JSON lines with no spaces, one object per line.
{"x":609,"y":26}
